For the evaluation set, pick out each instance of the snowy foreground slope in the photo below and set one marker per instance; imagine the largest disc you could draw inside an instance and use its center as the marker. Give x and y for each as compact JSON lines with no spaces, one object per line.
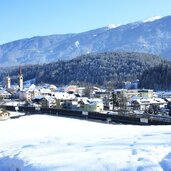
{"x":47,"y":143}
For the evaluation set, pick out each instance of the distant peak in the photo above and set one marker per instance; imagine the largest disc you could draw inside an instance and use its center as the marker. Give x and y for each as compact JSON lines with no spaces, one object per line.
{"x":111,"y":26}
{"x":152,"y":19}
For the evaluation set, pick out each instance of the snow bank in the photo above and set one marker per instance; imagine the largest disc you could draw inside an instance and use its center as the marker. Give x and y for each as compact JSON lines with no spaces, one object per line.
{"x":47,"y":143}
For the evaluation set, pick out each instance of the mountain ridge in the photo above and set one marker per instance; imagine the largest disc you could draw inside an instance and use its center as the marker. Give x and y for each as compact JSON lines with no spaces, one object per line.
{"x":152,"y":37}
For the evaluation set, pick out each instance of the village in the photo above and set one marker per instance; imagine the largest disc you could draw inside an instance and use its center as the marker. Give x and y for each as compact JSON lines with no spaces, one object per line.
{"x":94,"y":99}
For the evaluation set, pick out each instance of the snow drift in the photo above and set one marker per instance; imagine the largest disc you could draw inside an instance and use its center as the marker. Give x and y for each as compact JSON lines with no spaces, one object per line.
{"x":47,"y":143}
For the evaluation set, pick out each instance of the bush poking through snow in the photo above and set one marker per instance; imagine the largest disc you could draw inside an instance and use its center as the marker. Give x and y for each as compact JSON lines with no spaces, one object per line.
{"x":4,"y":115}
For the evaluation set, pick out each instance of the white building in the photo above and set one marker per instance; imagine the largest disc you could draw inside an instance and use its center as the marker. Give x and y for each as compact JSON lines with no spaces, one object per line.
{"x":29,"y":93}
{"x":144,"y":103}
{"x":63,"y":96}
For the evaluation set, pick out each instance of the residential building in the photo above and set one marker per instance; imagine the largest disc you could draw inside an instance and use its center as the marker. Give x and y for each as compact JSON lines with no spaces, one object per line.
{"x":144,"y":103}
{"x":91,"y":105}
{"x":146,"y":93}
{"x":45,"y":101}
{"x":4,"y":94}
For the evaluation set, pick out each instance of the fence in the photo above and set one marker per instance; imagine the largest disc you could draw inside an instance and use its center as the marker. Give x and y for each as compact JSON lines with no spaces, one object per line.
{"x":95,"y":116}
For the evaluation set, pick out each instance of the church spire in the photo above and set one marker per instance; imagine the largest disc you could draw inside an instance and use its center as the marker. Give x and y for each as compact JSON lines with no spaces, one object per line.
{"x":20,"y":70}
{"x":20,"y":79}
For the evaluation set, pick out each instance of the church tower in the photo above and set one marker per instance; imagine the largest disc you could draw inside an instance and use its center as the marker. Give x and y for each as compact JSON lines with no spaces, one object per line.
{"x":20,"y":79}
{"x":8,"y":82}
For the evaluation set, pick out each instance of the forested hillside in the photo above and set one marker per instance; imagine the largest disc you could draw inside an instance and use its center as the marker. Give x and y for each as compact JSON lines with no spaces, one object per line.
{"x":158,"y":77}
{"x":102,"y":69}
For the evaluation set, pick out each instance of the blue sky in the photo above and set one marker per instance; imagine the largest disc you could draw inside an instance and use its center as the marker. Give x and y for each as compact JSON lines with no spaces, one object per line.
{"x":27,"y":18}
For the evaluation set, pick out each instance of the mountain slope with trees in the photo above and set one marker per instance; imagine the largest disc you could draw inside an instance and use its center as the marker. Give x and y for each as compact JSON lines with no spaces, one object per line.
{"x":157,"y":77}
{"x":101,"y":69}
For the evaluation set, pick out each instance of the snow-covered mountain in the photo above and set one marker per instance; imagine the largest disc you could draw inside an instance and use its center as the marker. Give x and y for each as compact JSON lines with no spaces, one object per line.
{"x":152,"y":19}
{"x":149,"y":36}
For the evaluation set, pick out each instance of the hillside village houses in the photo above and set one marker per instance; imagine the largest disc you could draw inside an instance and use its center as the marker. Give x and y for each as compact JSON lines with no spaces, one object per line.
{"x":73,"y":97}
{"x":48,"y":96}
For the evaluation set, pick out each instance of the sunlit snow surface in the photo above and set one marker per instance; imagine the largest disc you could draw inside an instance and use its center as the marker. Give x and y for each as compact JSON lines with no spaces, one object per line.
{"x":152,"y":19}
{"x":47,"y":143}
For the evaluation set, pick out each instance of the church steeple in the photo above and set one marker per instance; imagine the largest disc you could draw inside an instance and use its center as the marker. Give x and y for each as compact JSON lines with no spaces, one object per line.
{"x":8,"y":82}
{"x":20,"y":71}
{"x":20,"y":79}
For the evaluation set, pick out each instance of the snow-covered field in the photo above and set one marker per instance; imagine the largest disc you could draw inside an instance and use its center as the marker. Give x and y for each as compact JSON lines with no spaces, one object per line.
{"x":47,"y":143}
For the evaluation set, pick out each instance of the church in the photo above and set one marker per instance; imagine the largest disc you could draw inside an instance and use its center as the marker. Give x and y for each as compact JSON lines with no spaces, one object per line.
{"x":20,"y":85}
